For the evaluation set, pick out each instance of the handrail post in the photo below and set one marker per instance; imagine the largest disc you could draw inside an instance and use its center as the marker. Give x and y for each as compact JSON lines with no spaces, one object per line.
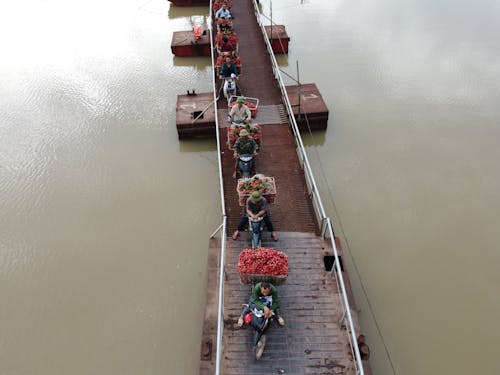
{"x":323,"y":227}
{"x":220,"y":316}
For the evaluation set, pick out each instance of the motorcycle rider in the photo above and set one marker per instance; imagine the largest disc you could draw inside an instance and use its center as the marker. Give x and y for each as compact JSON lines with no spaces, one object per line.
{"x":225,"y":45}
{"x":264,"y":297}
{"x":240,"y":113}
{"x":228,"y":68}
{"x":256,"y":206}
{"x":244,"y":145}
{"x":223,"y":12}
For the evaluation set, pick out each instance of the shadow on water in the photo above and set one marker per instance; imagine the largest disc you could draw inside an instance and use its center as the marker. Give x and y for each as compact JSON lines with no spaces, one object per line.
{"x":315,"y":138}
{"x":198,"y":145}
{"x":195,"y":14}
{"x":200,"y":63}
{"x":183,"y":12}
{"x":282,"y":60}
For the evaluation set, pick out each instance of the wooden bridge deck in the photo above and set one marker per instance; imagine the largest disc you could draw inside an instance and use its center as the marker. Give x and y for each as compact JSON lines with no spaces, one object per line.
{"x":293,"y":210}
{"x":257,"y":78}
{"x":312,"y":342}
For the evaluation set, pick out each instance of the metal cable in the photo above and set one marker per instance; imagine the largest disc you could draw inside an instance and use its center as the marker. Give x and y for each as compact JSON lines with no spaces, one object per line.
{"x":365,"y":293}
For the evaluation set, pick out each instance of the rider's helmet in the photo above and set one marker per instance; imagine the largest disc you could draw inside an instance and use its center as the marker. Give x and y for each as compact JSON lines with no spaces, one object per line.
{"x":255,"y":197}
{"x":240,"y":99}
{"x":243,"y":133}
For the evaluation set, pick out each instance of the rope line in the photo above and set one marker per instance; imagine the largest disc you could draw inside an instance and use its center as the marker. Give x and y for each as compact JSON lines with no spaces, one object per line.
{"x":363,"y":288}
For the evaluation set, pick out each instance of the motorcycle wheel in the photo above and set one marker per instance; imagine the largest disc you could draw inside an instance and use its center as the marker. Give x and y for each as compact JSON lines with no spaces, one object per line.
{"x":259,"y":350}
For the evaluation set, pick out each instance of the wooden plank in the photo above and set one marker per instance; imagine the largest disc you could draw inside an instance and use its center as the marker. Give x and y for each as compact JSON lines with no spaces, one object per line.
{"x":277,"y":158}
{"x":311,"y":336}
{"x":209,"y":335}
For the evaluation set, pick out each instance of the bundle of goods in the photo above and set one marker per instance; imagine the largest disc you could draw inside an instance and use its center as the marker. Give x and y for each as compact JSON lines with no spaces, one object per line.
{"x":233,"y":133}
{"x":218,"y":4}
{"x":263,"y":264}
{"x":224,"y":24}
{"x":266,"y":186}
{"x":230,"y":34}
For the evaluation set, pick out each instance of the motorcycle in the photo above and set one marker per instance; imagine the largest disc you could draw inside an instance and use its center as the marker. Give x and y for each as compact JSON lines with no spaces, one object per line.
{"x":256,"y":227}
{"x":229,"y":87}
{"x":256,"y":319}
{"x":246,"y":164}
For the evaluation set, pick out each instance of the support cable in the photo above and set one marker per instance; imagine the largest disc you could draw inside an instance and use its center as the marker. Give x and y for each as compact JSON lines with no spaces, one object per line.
{"x":363,"y":288}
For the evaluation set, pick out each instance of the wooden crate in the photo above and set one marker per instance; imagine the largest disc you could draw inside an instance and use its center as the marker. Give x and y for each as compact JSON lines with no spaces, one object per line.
{"x":269,"y":193}
{"x":254,"y":279}
{"x":234,"y":130}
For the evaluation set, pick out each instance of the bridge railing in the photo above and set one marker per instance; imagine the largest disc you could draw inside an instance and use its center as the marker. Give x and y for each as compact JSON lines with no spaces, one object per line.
{"x":324,"y":220}
{"x":223,"y":227}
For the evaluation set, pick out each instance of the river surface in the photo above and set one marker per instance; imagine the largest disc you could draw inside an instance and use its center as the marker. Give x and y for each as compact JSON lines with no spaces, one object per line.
{"x":105,"y":215}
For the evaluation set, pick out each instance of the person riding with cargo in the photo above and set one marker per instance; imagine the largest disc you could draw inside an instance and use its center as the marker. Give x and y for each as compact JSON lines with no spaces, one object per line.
{"x":223,"y":12}
{"x":225,"y":45}
{"x":256,"y":206}
{"x":228,"y":68}
{"x":264,"y":297}
{"x":237,"y":61}
{"x":243,"y":145}
{"x":224,"y":25}
{"x":240,"y":113}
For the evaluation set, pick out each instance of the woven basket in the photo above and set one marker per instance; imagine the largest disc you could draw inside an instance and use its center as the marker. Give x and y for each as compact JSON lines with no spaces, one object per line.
{"x":253,"y":279}
{"x":231,"y":139}
{"x":269,"y":194}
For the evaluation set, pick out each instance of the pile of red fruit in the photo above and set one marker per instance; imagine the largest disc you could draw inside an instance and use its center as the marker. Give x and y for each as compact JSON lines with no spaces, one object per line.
{"x":263,"y":261}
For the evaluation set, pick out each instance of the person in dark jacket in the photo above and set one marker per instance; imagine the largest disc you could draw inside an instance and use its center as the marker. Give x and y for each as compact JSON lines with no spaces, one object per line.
{"x":228,"y":68}
{"x":265,"y":298}
{"x":256,"y":206}
{"x":243,"y":145}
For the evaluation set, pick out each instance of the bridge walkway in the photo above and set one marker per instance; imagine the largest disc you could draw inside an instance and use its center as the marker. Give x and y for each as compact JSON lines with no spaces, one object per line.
{"x":312,"y":341}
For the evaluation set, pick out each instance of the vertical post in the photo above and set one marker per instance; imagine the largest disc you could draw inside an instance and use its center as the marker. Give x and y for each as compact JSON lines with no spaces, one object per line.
{"x":342,"y":318}
{"x":323,"y":227}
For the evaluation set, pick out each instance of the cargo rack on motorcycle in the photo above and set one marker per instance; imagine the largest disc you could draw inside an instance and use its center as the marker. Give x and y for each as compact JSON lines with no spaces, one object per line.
{"x":254,"y":279}
{"x":252,"y":104}
{"x":271,"y":262}
{"x":268,"y":191}
{"x":254,"y":131}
